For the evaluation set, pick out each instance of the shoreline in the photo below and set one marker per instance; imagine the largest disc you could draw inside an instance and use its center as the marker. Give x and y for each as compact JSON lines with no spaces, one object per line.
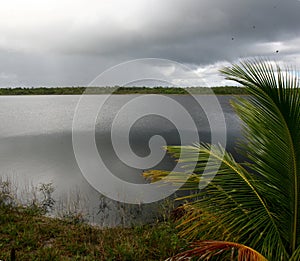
{"x":226,"y":90}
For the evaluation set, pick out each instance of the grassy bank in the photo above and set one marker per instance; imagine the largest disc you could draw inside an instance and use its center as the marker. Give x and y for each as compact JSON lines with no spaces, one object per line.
{"x":27,"y":234}
{"x":122,"y":90}
{"x":30,"y":236}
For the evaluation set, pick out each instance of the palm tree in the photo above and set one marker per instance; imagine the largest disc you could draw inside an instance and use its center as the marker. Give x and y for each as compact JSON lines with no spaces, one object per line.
{"x":251,"y":206}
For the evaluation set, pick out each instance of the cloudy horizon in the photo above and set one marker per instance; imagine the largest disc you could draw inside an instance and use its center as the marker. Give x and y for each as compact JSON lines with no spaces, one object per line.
{"x":69,"y":43}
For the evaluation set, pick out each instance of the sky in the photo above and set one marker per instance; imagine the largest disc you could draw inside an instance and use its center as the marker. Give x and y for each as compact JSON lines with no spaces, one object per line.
{"x":70,"y":42}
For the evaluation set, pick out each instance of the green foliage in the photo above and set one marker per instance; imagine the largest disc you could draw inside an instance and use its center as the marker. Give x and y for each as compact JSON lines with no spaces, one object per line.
{"x":26,"y":232}
{"x":35,"y":237}
{"x":47,"y":203}
{"x":42,"y":91}
{"x":256,"y":202}
{"x":122,"y":90}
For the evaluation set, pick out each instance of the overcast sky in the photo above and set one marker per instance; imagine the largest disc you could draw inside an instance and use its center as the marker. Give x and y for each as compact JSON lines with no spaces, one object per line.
{"x":70,"y":42}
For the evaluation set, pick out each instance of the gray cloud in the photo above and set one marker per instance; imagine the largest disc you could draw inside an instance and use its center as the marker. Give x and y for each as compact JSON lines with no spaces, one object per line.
{"x":70,"y":42}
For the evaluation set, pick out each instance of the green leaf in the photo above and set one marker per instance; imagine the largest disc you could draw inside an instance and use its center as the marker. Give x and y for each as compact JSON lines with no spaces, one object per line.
{"x":256,"y":202}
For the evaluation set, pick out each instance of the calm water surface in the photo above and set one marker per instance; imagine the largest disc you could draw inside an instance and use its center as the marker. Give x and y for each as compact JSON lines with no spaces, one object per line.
{"x":36,"y":147}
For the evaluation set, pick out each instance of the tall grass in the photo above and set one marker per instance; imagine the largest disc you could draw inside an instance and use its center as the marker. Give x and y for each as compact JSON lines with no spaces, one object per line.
{"x":27,"y":234}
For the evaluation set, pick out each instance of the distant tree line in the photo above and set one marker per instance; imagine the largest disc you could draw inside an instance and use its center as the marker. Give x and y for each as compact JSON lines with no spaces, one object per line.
{"x":233,"y":90}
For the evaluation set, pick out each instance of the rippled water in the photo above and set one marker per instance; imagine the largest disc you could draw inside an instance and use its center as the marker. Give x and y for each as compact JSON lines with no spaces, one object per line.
{"x":36,"y":147}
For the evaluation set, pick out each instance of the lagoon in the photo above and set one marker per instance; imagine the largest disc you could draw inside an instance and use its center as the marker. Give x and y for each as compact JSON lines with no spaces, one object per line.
{"x":36,"y":147}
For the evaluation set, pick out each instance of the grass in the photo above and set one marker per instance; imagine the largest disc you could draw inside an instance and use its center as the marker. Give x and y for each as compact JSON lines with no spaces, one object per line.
{"x":27,"y":234}
{"x":33,"y":236}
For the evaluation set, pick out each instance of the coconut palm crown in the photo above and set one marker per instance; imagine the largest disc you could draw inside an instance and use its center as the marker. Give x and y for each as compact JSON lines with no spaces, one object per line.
{"x":254,"y":203}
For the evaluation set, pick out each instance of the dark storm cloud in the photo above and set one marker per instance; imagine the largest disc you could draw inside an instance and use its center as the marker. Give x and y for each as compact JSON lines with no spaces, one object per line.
{"x":71,"y":46}
{"x":30,"y":70}
{"x":196,"y":31}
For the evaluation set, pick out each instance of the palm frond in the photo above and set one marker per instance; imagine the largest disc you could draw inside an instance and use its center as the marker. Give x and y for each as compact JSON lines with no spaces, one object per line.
{"x":271,"y":131}
{"x":296,"y":255}
{"x":256,"y":202}
{"x":241,"y":210}
{"x":205,"y":250}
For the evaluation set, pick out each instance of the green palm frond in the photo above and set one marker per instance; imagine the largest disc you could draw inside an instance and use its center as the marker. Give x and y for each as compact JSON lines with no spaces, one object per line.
{"x":272,"y":140}
{"x":240,"y":212}
{"x":255,"y":203}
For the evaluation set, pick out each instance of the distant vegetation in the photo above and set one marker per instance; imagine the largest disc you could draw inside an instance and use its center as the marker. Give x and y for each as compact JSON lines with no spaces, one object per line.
{"x":122,"y":90}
